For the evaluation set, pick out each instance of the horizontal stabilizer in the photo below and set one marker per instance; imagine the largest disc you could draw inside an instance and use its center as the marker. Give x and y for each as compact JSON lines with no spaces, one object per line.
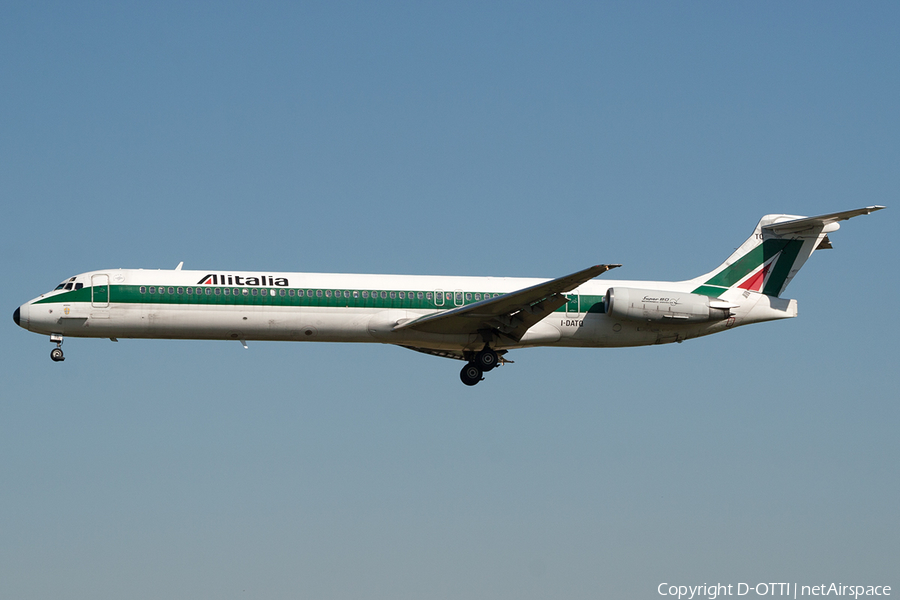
{"x":808,"y":223}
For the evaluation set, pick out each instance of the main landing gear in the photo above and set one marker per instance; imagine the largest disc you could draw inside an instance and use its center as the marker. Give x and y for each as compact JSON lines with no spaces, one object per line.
{"x":480,"y":363}
{"x":56,"y":355}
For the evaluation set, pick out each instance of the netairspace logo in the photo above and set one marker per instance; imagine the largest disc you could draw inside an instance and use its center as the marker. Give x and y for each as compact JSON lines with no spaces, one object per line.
{"x":771,"y":589}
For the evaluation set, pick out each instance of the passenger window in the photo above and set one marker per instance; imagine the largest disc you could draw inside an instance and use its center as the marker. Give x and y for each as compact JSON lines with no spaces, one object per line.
{"x":152,"y":289}
{"x":218,"y":291}
{"x":245,"y":291}
{"x":171,"y":290}
{"x":254,"y":292}
{"x":209,"y":291}
{"x":346,"y":293}
{"x":143,"y":290}
{"x":478,"y":296}
{"x":365,"y":293}
{"x":356,"y":293}
{"x":280,"y":292}
{"x":393,"y":295}
{"x":189,"y":291}
{"x":180,"y":290}
{"x":419,"y":295}
{"x":468,"y":296}
{"x":291,"y":293}
{"x":384,"y":294}
{"x":318,"y":293}
{"x":328,"y":293}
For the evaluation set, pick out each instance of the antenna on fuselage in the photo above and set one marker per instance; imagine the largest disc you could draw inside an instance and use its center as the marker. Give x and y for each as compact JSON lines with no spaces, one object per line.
{"x":181,"y":264}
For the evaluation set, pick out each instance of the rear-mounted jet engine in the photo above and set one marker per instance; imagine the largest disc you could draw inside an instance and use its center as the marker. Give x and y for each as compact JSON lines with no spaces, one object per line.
{"x":664,"y":307}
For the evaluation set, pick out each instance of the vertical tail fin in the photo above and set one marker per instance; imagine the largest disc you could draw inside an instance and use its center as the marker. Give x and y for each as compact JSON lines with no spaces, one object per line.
{"x":769,"y":259}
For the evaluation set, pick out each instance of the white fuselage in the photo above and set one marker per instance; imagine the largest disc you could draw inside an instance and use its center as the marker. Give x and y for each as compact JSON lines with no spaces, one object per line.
{"x":328,"y":307}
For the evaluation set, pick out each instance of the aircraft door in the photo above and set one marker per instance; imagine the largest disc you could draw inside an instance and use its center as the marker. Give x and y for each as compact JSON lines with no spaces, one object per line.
{"x":100,"y":291}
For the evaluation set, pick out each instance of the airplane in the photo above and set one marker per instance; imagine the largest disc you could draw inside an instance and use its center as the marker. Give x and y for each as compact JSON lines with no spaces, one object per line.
{"x":477,"y":320}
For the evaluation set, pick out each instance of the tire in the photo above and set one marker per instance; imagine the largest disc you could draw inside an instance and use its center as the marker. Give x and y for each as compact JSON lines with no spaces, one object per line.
{"x":487,"y":359}
{"x":56,"y":355}
{"x":470,"y":374}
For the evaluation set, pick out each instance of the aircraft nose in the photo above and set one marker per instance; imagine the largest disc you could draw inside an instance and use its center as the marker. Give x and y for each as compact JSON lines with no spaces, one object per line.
{"x":20,"y":316}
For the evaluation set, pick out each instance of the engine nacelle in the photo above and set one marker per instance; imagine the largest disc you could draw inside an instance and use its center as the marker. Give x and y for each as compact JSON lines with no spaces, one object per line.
{"x":664,"y":307}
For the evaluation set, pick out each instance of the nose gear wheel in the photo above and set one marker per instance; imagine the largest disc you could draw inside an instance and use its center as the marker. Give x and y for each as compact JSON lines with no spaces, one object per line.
{"x":56,"y":355}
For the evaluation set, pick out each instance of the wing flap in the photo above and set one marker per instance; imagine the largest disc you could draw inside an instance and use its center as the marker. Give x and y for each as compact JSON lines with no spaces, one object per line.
{"x":454,"y":354}
{"x":510,"y":314}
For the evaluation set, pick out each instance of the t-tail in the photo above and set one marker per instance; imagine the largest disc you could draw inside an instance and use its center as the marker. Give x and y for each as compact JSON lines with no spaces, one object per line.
{"x":770,"y":258}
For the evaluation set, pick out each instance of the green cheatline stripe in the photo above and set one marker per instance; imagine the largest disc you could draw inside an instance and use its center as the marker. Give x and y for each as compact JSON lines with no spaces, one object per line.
{"x":82,"y":295}
{"x":706,"y":290}
{"x":131,"y":294}
{"x":731,"y":275}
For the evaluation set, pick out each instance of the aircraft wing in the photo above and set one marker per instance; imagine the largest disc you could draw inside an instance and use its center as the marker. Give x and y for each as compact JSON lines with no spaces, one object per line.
{"x":511,"y":314}
{"x":807,"y":223}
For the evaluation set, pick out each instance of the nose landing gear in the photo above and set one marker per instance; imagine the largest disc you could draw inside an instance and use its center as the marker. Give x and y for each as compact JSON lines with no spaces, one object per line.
{"x":56,"y":355}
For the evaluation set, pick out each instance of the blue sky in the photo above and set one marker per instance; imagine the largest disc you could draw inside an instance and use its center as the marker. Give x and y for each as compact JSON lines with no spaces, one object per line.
{"x":516,"y":139}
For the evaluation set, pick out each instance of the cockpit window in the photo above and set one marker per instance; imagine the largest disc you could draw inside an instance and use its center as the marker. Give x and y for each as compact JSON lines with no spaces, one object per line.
{"x":67,"y":284}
